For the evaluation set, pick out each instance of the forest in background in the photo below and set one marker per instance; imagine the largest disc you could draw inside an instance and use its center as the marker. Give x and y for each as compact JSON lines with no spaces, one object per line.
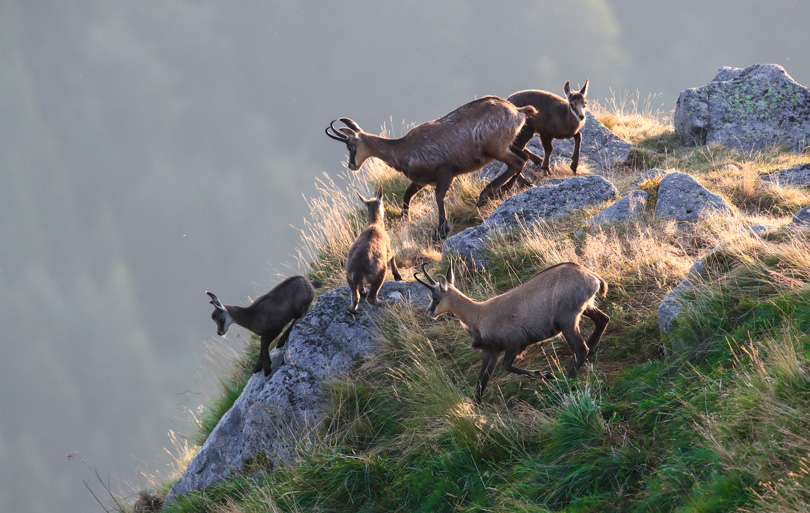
{"x":151,"y":151}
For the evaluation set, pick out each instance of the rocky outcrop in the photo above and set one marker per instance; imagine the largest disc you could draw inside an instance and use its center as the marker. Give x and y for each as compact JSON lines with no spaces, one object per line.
{"x":536,"y":204}
{"x":798,"y":176}
{"x":747,"y":109}
{"x":628,"y":207}
{"x":601,"y":150}
{"x":682,"y":198}
{"x":275,"y":414}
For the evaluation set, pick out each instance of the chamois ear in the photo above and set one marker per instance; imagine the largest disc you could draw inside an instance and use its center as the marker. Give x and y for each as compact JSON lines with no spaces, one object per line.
{"x":584,"y":90}
{"x":567,"y":89}
{"x":364,"y":200}
{"x":450,"y":275}
{"x":380,"y":193}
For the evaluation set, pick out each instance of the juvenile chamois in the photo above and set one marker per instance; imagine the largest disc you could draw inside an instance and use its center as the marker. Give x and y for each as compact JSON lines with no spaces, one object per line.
{"x":435,"y":152}
{"x":556,"y":118}
{"x":549,"y":303}
{"x":268,"y":315}
{"x":370,"y":255}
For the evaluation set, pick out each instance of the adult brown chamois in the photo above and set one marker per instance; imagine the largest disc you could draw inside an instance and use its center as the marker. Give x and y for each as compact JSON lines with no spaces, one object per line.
{"x":556,"y":118}
{"x":435,"y":152}
{"x":550,"y":303}
{"x":370,"y":255}
{"x":268,"y":315}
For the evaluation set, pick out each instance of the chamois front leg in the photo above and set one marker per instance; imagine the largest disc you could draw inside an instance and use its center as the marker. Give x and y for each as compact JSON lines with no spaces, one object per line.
{"x":443,"y":180}
{"x":575,"y":156}
{"x":548,"y":147}
{"x":264,"y":352}
{"x":410,"y":192}
{"x":509,"y":360}
{"x":395,"y":269}
{"x":488,"y":361}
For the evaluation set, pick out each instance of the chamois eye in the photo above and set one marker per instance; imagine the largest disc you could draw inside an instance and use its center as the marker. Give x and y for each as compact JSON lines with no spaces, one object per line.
{"x":352,"y":147}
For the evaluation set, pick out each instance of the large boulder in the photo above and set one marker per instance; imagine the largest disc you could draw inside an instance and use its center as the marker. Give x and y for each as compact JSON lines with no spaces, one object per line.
{"x":537,"y":204}
{"x":747,"y":109}
{"x":601,"y":150}
{"x":798,"y":176}
{"x":655,"y":173}
{"x":275,"y":414}
{"x":628,"y":207}
{"x":681,"y":197}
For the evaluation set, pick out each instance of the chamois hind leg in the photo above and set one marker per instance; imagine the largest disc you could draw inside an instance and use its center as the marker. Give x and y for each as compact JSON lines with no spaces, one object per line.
{"x":264,"y":351}
{"x":577,"y":345}
{"x":502,"y":182}
{"x":356,"y":291}
{"x":518,"y":178}
{"x":374,"y":287}
{"x":600,"y":319}
{"x":412,"y":189}
{"x":488,"y":361}
{"x":395,"y":269}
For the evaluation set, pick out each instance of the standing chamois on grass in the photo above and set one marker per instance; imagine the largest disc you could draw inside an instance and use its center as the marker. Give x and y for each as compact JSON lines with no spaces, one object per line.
{"x":556,"y":118}
{"x":435,"y":152}
{"x":550,"y":303}
{"x":370,"y":255}
{"x":268,"y":315}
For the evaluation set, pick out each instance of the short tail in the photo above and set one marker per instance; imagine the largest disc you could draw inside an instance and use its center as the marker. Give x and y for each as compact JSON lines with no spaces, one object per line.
{"x":603,"y":288}
{"x":316,"y":284}
{"x":528,"y":110}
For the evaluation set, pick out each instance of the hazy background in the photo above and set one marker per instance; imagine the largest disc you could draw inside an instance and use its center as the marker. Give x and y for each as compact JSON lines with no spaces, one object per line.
{"x":152,"y":150}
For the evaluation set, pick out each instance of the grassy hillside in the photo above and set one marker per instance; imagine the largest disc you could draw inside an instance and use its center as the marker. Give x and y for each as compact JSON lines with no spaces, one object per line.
{"x":723,"y":425}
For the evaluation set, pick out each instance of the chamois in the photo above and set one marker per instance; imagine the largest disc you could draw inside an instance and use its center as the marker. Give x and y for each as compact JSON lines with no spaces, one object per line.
{"x":370,"y":255}
{"x":556,"y":118}
{"x":549,"y":303}
{"x":268,"y":315}
{"x":435,"y":152}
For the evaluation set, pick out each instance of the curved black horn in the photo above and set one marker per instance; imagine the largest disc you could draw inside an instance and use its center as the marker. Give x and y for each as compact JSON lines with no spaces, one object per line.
{"x":427,"y":275}
{"x":428,"y":285}
{"x":351,"y":124}
{"x":336,"y":135}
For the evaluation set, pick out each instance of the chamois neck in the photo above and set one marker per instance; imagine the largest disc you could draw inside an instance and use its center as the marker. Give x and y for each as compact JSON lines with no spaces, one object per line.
{"x":384,"y":148}
{"x":467,"y":310}
{"x":241,"y":315}
{"x":376,"y":216}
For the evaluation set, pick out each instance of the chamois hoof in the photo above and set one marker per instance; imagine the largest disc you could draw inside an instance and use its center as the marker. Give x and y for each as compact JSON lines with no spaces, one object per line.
{"x":257,"y":368}
{"x":352,"y":312}
{"x":268,"y":370}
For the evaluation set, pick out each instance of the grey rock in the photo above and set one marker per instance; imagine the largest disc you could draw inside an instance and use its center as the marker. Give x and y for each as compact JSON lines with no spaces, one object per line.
{"x":747,"y":109}
{"x":672,"y":305}
{"x":601,"y":150}
{"x":537,"y":204}
{"x":626,"y":208}
{"x":798,"y":176}
{"x":275,"y":415}
{"x":801,"y":218}
{"x":682,"y":198}
{"x":650,"y":174}
{"x":759,"y":229}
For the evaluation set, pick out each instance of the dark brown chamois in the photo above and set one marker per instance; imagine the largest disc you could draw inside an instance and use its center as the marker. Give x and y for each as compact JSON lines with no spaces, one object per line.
{"x":435,"y":152}
{"x":370,"y":255}
{"x":550,"y":303}
{"x":268,"y":315}
{"x":556,"y":118}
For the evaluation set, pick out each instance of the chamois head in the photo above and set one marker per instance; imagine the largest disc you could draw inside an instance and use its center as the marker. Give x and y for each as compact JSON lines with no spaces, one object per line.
{"x":577,"y":101}
{"x":220,"y":315}
{"x":438,"y":291}
{"x":351,"y":134}
{"x":373,"y":205}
